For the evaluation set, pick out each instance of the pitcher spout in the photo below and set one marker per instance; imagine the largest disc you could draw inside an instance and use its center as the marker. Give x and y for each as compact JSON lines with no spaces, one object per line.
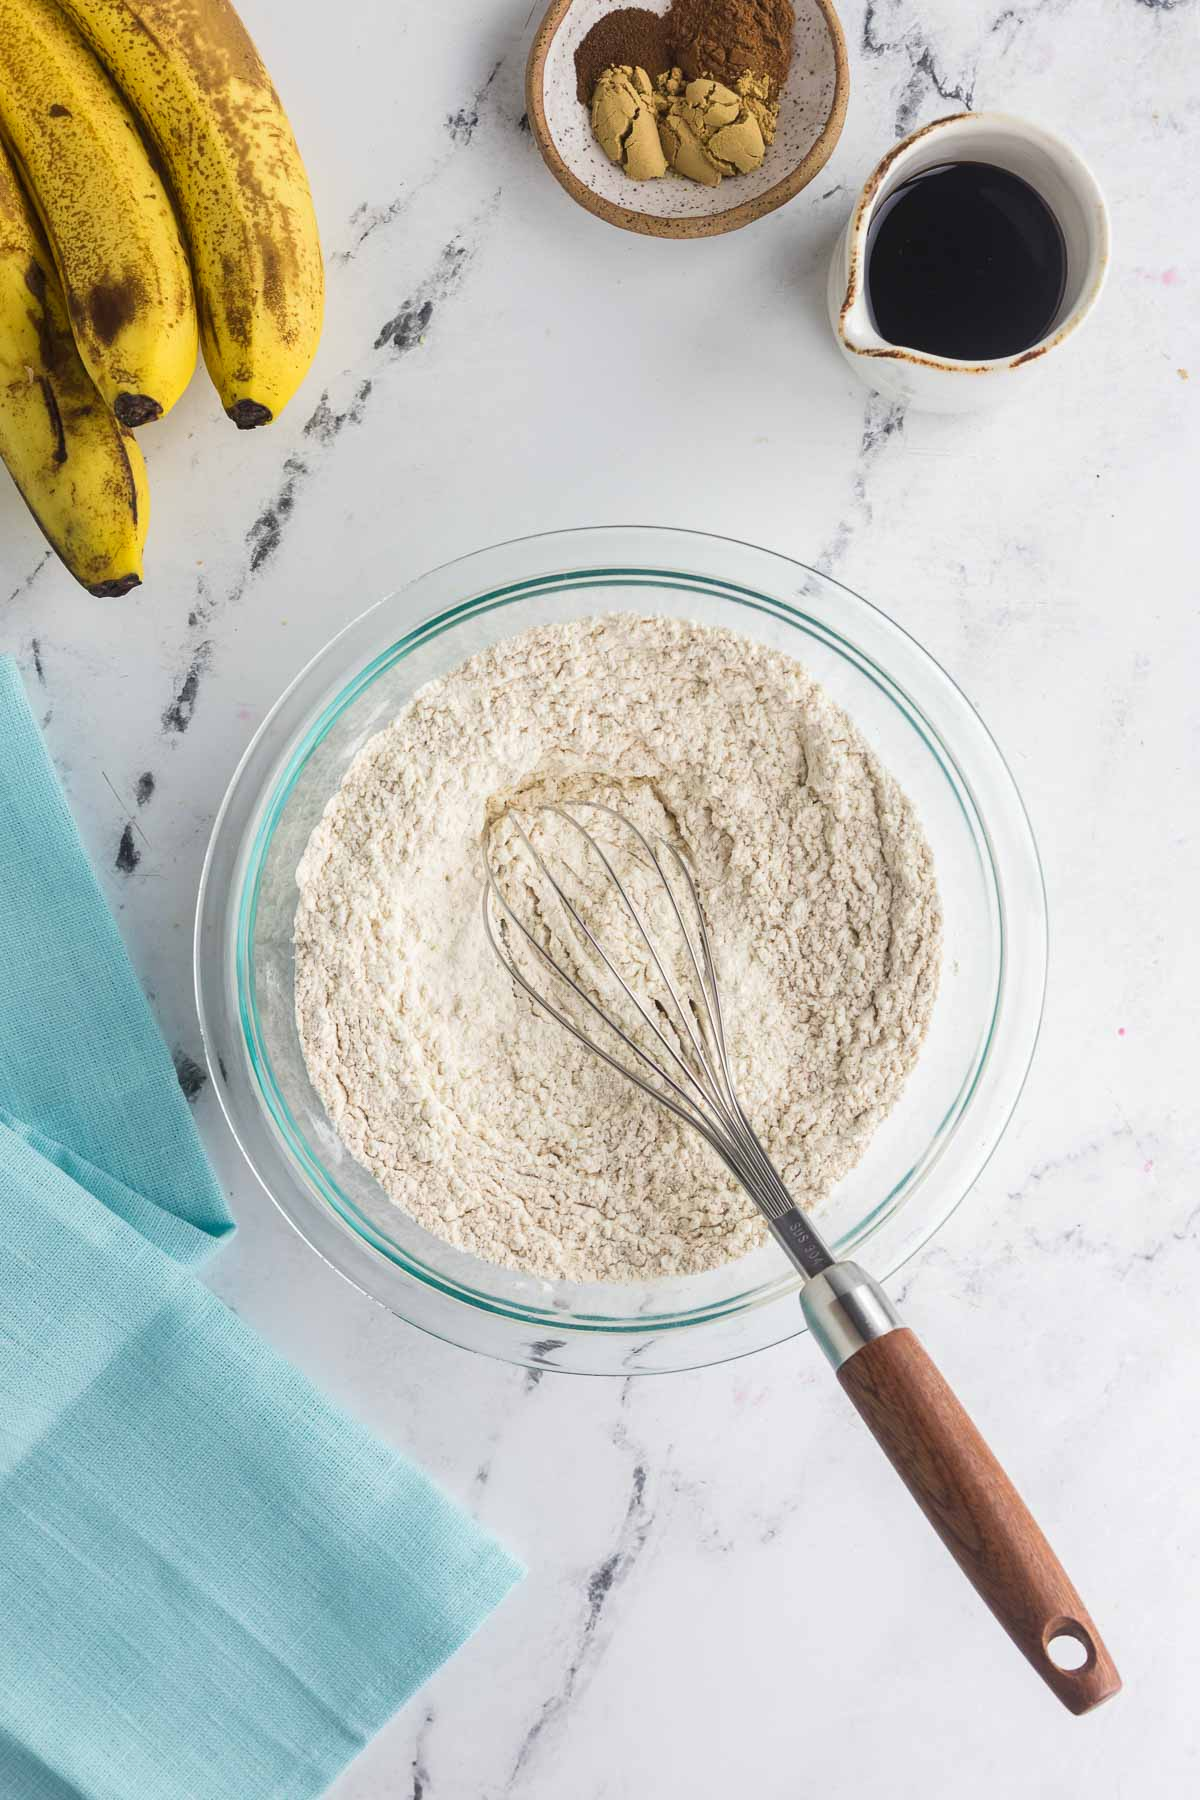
{"x":855,"y":328}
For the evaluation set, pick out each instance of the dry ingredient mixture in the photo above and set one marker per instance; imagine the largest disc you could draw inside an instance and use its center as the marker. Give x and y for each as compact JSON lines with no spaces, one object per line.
{"x":694,"y":91}
{"x":489,"y":1124}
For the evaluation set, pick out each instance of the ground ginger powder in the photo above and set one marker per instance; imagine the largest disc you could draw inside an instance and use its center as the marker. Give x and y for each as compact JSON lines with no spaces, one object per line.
{"x":700,"y":129}
{"x":625,"y":123}
{"x":709,"y":131}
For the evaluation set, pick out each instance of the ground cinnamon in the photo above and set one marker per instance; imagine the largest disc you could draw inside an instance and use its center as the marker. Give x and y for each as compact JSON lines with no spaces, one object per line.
{"x":728,"y":38}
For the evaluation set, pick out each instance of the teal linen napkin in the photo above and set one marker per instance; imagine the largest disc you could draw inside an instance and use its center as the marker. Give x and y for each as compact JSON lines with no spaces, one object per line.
{"x":213,"y":1584}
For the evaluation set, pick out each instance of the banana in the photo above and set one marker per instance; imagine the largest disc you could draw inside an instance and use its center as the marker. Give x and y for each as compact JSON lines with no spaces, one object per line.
{"x":105,"y":211}
{"x":80,"y":472}
{"x":205,"y":99}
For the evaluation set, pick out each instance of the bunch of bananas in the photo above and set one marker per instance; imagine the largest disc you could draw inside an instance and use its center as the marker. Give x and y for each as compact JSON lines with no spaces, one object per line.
{"x":152,"y":198}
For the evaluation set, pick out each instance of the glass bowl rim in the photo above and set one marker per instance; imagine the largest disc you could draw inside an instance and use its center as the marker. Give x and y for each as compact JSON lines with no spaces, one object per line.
{"x":276,"y":788}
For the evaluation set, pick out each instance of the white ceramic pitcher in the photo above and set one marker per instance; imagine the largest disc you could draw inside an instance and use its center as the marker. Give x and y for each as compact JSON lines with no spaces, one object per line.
{"x":1066,"y":184}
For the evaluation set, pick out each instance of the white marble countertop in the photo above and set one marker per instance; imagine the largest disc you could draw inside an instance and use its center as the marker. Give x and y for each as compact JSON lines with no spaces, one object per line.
{"x":727,"y":1590}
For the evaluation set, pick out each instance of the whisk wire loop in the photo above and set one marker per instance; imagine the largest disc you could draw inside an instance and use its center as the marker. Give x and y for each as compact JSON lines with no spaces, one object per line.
{"x":682,"y":1106}
{"x":685,"y":1112}
{"x":692,"y":1078}
{"x":707,"y":981}
{"x":592,"y":845}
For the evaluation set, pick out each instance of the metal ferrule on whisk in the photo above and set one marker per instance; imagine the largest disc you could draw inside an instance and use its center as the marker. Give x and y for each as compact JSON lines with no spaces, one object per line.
{"x":845,"y":1308}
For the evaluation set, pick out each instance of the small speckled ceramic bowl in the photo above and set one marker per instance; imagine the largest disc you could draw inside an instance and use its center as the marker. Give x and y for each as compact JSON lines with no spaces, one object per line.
{"x":812,"y":109}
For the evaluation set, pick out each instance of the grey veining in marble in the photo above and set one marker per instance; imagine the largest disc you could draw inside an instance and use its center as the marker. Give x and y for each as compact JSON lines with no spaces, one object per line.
{"x":497,"y":362}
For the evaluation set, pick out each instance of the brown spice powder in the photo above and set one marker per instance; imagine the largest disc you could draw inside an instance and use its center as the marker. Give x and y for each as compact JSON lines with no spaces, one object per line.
{"x":728,"y":38}
{"x":631,"y":36}
{"x":720,"y":38}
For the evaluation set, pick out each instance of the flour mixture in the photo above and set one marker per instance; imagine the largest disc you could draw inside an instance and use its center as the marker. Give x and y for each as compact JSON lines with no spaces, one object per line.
{"x":488,"y":1123}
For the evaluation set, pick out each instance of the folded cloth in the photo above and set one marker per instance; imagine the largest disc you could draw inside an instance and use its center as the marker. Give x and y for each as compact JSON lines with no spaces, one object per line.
{"x":213,"y":1584}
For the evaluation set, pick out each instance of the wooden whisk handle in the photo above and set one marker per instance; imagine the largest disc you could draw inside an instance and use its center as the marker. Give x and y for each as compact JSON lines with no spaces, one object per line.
{"x":977,"y":1512}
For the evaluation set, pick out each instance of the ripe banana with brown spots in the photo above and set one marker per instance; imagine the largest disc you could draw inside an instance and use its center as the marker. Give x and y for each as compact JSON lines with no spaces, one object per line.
{"x":203,"y":96}
{"x":105,"y":210}
{"x":78,"y":469}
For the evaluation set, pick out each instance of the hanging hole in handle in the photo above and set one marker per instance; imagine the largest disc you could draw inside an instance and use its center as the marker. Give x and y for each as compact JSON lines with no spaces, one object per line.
{"x":1069,"y":1646}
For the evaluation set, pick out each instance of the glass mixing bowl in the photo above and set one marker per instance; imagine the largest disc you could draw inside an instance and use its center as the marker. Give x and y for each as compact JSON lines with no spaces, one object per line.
{"x":927,"y":1153}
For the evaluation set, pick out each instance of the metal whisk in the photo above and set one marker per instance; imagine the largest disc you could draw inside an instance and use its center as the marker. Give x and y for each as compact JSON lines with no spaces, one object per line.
{"x":686,"y":1069}
{"x":670,"y":1040}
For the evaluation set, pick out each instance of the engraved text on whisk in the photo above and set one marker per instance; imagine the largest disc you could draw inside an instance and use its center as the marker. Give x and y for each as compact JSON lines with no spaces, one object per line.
{"x":801,"y":1242}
